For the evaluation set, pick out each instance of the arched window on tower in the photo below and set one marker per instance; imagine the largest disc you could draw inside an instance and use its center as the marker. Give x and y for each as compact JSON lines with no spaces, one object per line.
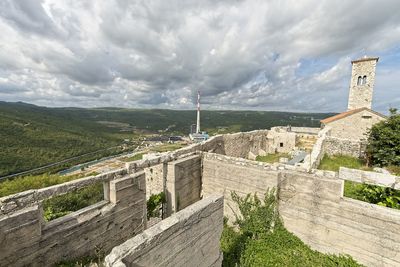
{"x":359,"y":80}
{"x":364,"y":81}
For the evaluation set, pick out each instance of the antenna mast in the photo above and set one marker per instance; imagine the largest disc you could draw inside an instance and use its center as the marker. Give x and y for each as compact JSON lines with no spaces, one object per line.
{"x":198,"y":113}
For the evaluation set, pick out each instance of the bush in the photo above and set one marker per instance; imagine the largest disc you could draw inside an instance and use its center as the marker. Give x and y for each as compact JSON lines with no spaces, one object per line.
{"x":262,"y":240}
{"x":383,"y":147}
{"x":61,"y":205}
{"x":383,"y":196}
{"x":154,"y":205}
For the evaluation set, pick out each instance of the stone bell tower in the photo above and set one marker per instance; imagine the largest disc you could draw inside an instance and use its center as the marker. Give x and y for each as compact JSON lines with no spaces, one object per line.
{"x":362,"y":82}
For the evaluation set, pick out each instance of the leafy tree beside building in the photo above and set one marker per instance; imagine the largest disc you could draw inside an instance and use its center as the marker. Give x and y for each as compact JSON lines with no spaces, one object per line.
{"x":384,"y":141}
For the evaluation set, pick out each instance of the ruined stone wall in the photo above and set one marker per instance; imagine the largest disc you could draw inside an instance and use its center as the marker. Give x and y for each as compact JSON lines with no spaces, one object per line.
{"x":155,"y":179}
{"x":187,"y":238}
{"x":340,"y":146}
{"x":280,"y":140}
{"x":183,"y":183}
{"x":28,"y":240}
{"x":305,"y":130}
{"x":245,"y":145}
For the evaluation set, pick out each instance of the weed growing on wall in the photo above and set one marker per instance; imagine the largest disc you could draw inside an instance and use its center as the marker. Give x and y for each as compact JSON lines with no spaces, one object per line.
{"x":154,"y":205}
{"x":259,"y":238}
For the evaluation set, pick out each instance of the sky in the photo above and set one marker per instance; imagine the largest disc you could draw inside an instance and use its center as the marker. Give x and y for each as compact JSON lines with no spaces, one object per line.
{"x":252,"y":55}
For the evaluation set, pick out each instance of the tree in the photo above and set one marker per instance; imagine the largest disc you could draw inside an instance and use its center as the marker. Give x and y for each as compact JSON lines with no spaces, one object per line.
{"x":383,"y":147}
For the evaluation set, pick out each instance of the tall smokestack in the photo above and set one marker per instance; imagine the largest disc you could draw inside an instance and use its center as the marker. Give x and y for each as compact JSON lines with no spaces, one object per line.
{"x":198,"y":113}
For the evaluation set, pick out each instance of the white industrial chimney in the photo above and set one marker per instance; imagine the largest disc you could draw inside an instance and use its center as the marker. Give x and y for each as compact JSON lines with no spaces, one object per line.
{"x":198,"y":113}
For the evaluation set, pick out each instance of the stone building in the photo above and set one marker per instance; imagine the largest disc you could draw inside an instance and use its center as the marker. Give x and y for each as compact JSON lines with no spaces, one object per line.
{"x":355,"y":122}
{"x":352,"y":124}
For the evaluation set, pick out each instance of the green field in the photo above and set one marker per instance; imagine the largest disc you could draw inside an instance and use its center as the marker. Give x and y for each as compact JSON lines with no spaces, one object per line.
{"x":33,"y":136}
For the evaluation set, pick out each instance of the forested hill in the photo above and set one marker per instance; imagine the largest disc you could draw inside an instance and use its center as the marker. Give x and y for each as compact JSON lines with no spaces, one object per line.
{"x":32,"y":136}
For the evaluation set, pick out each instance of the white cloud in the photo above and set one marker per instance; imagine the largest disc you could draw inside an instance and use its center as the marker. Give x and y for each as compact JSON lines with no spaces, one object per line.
{"x":240,"y":54}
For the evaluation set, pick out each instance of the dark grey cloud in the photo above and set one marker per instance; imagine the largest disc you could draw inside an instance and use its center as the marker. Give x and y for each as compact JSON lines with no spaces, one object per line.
{"x":240,"y":54}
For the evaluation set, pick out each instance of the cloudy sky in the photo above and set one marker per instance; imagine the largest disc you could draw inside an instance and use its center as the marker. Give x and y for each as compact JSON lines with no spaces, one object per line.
{"x":262,"y":55}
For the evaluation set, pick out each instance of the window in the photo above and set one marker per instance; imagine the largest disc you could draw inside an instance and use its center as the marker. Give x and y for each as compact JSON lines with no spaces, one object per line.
{"x":281,"y":144}
{"x":359,"y":80}
{"x":364,"y":80}
{"x":366,"y":116}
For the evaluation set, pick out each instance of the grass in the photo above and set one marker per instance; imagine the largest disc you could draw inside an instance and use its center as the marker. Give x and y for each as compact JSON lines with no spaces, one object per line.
{"x":138,"y":156}
{"x":62,"y":205}
{"x":278,"y":248}
{"x":167,"y":147}
{"x":20,"y":184}
{"x":260,"y":239}
{"x":272,"y":158}
{"x":333,"y":163}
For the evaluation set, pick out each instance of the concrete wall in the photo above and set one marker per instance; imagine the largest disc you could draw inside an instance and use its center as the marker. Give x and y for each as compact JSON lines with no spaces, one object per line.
{"x":354,"y":126}
{"x":183,"y":183}
{"x":374,"y":178}
{"x":222,"y":175}
{"x":187,"y":238}
{"x":312,"y":207}
{"x":26,"y":239}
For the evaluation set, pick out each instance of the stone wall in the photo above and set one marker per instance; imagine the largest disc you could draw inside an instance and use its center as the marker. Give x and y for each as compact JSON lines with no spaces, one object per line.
{"x":183,"y":183}
{"x":314,"y":210}
{"x":245,"y":145}
{"x":340,"y":146}
{"x":313,"y":160}
{"x":28,"y":240}
{"x":29,"y":198}
{"x":305,"y":130}
{"x":312,"y":207}
{"x":374,"y":178}
{"x":187,"y":238}
{"x":280,"y":140}
{"x":155,"y":176}
{"x":223,"y":175}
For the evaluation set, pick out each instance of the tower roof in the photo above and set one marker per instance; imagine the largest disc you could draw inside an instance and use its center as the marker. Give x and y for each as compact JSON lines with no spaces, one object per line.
{"x":364,"y":59}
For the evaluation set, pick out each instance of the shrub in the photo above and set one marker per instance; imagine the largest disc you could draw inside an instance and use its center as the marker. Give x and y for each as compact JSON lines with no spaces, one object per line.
{"x":383,"y":147}
{"x":61,"y":205}
{"x":383,"y":196}
{"x":154,"y":205}
{"x":262,"y":240}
